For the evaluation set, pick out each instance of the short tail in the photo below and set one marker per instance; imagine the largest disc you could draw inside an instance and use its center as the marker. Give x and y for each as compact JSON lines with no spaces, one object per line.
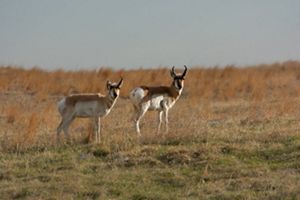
{"x":144,"y":87}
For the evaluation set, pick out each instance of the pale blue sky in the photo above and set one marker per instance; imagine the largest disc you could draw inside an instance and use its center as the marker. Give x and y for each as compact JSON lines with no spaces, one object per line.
{"x":73,"y":34}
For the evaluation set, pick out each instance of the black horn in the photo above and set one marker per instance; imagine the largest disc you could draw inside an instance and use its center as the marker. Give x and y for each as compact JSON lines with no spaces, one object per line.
{"x":184,"y":72}
{"x":173,"y":74}
{"x":120,"y":83}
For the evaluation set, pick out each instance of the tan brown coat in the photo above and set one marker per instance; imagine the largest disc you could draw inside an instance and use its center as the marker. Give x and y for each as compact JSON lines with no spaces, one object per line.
{"x":161,"y":90}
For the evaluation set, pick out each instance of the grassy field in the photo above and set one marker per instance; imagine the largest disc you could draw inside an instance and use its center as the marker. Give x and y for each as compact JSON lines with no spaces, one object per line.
{"x":234,"y":134}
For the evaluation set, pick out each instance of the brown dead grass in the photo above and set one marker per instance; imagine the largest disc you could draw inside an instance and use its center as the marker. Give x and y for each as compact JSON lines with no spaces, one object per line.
{"x":233,"y":134}
{"x":253,"y":83}
{"x":30,"y":97}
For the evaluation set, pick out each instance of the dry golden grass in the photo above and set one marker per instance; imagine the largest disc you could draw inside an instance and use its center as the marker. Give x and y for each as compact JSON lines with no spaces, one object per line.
{"x":234,"y":134}
{"x":250,"y":83}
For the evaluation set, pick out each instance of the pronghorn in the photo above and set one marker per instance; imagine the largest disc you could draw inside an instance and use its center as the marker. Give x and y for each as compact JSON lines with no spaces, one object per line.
{"x":160,"y":99}
{"x":87,"y":105}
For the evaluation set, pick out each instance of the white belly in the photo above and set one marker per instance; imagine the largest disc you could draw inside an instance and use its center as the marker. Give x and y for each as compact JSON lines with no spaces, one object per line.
{"x":156,"y":103}
{"x":159,"y":102}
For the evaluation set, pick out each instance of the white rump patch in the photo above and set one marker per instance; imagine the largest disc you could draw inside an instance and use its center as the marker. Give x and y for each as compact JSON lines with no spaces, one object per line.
{"x":61,"y":105}
{"x":136,"y":95}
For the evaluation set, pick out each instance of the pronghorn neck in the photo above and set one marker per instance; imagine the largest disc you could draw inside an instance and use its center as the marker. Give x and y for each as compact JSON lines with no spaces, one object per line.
{"x":175,"y":90}
{"x":109,"y":100}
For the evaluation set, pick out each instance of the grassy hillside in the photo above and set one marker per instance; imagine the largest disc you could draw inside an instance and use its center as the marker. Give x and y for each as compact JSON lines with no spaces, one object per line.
{"x":234,"y":134}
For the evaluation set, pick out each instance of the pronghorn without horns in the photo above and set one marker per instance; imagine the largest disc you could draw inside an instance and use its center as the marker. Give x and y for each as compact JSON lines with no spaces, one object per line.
{"x":87,"y":105}
{"x":160,"y":99}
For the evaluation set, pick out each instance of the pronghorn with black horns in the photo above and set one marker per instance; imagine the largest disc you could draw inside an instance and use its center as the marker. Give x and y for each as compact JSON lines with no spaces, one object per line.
{"x":87,"y":105}
{"x":160,"y":99}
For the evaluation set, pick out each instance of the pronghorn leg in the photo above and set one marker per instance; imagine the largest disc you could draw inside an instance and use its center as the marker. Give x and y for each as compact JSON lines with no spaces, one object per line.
{"x":137,"y":126}
{"x":136,"y":110}
{"x":165,"y":113}
{"x":58,"y":130}
{"x":97,"y":129}
{"x":65,"y":125}
{"x":166,"y":120}
{"x":67,"y":118}
{"x":159,"y":121}
{"x":140,"y":114}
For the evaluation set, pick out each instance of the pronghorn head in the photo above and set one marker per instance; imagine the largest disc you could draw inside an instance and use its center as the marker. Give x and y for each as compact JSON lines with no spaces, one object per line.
{"x":178,"y":80}
{"x":114,"y":88}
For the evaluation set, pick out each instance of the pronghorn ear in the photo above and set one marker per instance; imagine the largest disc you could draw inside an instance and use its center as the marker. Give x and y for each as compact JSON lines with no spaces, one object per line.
{"x":120,"y":83}
{"x":172,"y":72}
{"x":108,"y":85}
